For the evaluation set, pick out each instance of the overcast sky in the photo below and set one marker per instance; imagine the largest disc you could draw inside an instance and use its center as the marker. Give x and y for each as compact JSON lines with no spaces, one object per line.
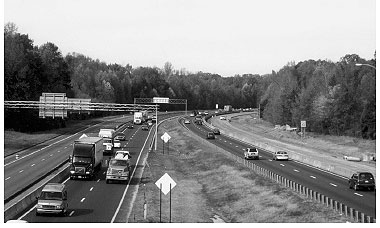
{"x":223,"y":37}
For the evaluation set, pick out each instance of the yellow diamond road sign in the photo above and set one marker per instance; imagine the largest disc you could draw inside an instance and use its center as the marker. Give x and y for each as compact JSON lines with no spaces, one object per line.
{"x":165,"y":182}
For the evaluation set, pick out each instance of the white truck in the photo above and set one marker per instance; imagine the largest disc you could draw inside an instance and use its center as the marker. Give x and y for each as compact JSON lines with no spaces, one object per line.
{"x":119,"y":167}
{"x":107,"y":135}
{"x":140,"y":117}
{"x":87,"y":156}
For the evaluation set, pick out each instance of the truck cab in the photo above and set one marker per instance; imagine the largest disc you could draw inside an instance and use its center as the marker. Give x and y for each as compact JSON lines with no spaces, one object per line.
{"x":119,"y":167}
{"x":52,"y":200}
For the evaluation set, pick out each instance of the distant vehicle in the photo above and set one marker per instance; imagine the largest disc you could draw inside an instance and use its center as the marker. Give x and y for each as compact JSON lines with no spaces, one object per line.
{"x":150,"y":123}
{"x":198,"y":120}
{"x":130,"y":125}
{"x":251,"y":153}
{"x":206,"y":113}
{"x":124,"y":153}
{"x":210,"y":135}
{"x":119,"y":167}
{"x":228,"y":108}
{"x":120,"y":136}
{"x":280,"y":155}
{"x":223,"y":118}
{"x":187,"y":121}
{"x":52,"y":200}
{"x":86,"y":157}
{"x":145,"y":127}
{"x":192,"y":115}
{"x":137,"y":118}
{"x":216,"y":131}
{"x":360,"y":180}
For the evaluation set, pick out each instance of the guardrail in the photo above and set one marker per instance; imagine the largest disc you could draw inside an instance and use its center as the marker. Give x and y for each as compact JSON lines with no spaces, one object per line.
{"x":351,"y":213}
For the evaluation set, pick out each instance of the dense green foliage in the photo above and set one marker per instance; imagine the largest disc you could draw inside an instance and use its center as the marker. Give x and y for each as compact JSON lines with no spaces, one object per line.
{"x":334,"y":98}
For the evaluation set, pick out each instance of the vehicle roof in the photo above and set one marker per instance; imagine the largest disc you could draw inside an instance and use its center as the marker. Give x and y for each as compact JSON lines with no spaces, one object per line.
{"x":89,"y":139}
{"x":54,"y":187}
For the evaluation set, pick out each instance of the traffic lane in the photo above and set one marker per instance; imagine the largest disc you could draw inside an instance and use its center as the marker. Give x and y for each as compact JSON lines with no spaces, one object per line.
{"x":17,"y":176}
{"x":93,"y":201}
{"x":24,"y":171}
{"x":306,"y":176}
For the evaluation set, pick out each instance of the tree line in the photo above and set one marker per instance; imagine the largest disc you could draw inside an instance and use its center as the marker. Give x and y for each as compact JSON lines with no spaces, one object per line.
{"x":333,"y":97}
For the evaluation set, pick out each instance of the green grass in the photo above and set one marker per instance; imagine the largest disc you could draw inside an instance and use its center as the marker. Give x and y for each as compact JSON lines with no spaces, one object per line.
{"x":209,"y":184}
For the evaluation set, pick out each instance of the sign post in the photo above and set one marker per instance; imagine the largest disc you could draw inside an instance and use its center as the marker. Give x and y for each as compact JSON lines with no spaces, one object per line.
{"x":166,"y":184}
{"x":165,"y":137}
{"x":303,"y":126}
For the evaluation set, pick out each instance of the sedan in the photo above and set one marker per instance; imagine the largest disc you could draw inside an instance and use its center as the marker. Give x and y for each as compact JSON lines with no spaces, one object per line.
{"x":210,"y":135}
{"x":145,"y":127}
{"x":120,"y":137}
{"x":187,"y":121}
{"x":280,"y":155}
{"x":223,"y":118}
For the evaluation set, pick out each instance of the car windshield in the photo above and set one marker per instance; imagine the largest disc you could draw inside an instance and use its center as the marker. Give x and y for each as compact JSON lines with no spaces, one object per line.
{"x":366,"y":176}
{"x":51,"y":195}
{"x":119,"y":162}
{"x":84,"y":160}
{"x":251,"y":150}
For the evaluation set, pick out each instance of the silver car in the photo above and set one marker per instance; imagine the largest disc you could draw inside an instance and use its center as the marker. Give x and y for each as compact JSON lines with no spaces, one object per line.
{"x":280,"y":155}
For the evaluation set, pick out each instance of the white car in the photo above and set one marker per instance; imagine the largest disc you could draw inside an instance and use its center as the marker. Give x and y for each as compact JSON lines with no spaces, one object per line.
{"x":192,"y":115}
{"x":187,"y":121}
{"x":251,"y":153}
{"x":223,"y":118}
{"x":117,"y":144}
{"x":280,"y":155}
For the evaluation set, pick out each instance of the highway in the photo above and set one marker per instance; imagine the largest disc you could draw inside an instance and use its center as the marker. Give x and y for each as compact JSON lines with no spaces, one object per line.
{"x":328,"y":184}
{"x":36,"y":161}
{"x":95,"y":200}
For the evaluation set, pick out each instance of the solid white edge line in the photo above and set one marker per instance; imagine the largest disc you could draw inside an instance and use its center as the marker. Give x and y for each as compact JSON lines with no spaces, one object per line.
{"x":129,"y":181}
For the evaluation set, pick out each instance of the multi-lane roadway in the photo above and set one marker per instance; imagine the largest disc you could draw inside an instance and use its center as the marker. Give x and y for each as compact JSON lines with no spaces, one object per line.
{"x":326,"y":183}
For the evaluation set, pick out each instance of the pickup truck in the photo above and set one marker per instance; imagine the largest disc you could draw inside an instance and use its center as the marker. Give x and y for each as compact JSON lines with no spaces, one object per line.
{"x":119,"y":167}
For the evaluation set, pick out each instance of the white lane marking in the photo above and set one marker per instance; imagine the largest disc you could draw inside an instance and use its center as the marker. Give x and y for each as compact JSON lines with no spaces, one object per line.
{"x":270,"y":160}
{"x":59,"y":151}
{"x":296,"y":171}
{"x":236,"y":146}
{"x":313,"y":177}
{"x":357,"y":194}
{"x":7,"y":178}
{"x":51,"y":155}
{"x":32,"y":165}
{"x":98,"y":180}
{"x":91,"y":188}
{"x":225,"y":141}
{"x":21,"y":171}
{"x":282,"y":164}
{"x":333,"y":184}
{"x":71,"y":213}
{"x":230,"y":143}
{"x":82,"y":200}
{"x":104,"y":172}
{"x":43,"y":159}
{"x":65,"y":147}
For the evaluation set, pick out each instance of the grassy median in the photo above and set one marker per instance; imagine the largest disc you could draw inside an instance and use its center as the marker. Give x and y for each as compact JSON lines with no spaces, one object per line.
{"x":211,"y":187}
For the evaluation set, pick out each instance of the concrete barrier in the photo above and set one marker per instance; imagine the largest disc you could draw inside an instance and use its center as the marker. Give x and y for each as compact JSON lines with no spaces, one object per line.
{"x":21,"y":203}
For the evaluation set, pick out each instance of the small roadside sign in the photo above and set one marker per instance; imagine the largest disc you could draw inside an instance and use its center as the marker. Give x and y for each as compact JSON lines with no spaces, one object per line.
{"x":165,"y":183}
{"x":166,"y":137}
{"x":303,"y":123}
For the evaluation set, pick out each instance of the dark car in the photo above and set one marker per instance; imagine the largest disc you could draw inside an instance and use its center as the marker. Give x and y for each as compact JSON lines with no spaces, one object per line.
{"x":216,"y":131}
{"x":130,"y":125}
{"x":210,"y":135}
{"x":145,"y":127}
{"x":120,"y":137}
{"x":360,"y":180}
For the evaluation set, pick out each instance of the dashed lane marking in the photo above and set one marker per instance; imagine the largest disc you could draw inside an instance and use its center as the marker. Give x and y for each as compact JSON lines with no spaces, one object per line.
{"x":91,"y":188}
{"x":71,"y":213}
{"x":21,"y":171}
{"x":296,"y":171}
{"x":282,"y":164}
{"x":333,"y":184}
{"x":82,"y":200}
{"x":32,"y":165}
{"x":43,"y":159}
{"x":313,"y":177}
{"x":357,"y":194}
{"x":7,"y":178}
{"x":51,"y":155}
{"x":98,"y":180}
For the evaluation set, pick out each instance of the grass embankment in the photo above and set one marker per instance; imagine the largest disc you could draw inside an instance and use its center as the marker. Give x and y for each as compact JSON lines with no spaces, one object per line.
{"x":209,"y":186}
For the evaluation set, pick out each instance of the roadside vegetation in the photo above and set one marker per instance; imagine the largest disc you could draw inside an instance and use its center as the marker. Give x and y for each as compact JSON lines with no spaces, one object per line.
{"x":210,"y":187}
{"x":335,"y":98}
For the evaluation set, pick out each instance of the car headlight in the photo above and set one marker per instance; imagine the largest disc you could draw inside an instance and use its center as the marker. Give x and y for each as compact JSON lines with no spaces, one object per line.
{"x":72,"y":171}
{"x":39,"y":206}
{"x":58,"y":207}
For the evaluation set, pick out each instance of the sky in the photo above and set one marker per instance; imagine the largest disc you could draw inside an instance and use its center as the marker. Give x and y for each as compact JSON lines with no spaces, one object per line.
{"x":214,"y":36}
